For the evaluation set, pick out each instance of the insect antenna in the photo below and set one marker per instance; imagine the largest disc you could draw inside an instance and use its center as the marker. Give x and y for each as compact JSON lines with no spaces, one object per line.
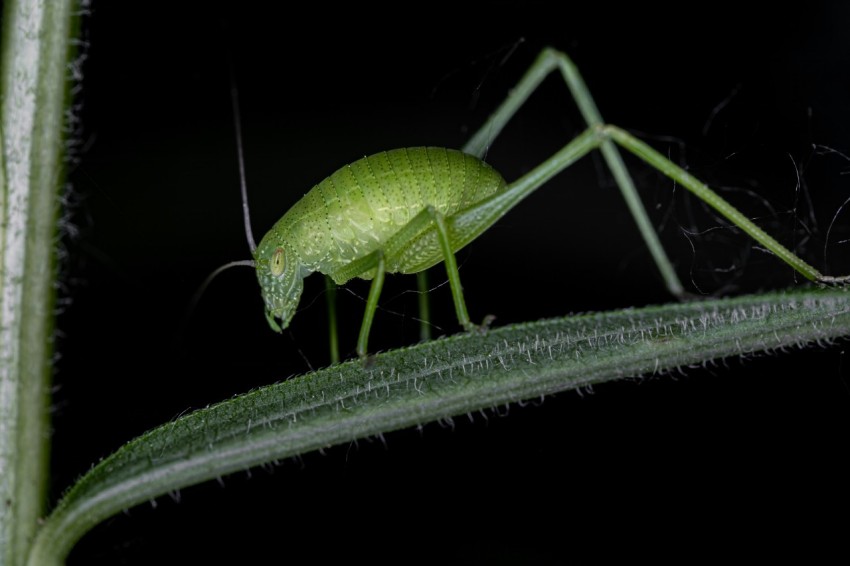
{"x":237,"y":126}
{"x":203,"y":287}
{"x":243,"y":185}
{"x":196,"y":298}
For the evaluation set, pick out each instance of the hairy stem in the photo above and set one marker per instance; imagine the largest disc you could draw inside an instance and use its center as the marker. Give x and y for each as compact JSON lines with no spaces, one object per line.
{"x":36,"y":47}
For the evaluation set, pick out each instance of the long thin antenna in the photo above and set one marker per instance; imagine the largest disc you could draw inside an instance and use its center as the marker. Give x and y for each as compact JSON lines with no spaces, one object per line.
{"x":197,"y":296}
{"x":213,"y":275}
{"x":237,"y":125}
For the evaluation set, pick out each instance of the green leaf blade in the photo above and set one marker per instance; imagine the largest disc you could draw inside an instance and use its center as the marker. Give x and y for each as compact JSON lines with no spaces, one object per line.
{"x":431,"y":381}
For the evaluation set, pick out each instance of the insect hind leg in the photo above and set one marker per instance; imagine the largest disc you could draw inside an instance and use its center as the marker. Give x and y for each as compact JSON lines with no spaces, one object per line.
{"x":551,"y":60}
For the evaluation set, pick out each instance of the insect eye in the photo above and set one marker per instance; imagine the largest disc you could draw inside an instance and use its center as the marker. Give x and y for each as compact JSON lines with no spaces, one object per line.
{"x":277,"y":263}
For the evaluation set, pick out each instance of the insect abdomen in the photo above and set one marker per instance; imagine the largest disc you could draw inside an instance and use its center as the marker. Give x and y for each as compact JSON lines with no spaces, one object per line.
{"x":359,"y":207}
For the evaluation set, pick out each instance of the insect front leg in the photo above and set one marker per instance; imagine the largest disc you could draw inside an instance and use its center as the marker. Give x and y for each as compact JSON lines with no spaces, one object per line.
{"x":360,"y":267}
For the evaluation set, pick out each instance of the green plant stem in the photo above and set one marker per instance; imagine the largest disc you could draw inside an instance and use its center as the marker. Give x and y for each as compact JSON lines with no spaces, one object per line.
{"x":430,"y":381}
{"x":34,"y":87}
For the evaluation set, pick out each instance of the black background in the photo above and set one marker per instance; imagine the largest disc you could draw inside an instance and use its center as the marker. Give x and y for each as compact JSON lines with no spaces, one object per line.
{"x":704,"y":458}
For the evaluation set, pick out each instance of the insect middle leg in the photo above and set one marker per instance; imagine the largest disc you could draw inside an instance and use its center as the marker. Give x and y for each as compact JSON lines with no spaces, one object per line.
{"x":371,"y":304}
{"x":548,"y":61}
{"x":428,"y":219}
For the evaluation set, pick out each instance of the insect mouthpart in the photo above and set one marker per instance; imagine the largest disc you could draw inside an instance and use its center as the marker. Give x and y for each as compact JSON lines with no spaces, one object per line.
{"x":272,"y":322}
{"x":278,"y":299}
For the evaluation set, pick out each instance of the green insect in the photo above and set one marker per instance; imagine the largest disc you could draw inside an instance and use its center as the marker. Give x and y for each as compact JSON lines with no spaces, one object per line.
{"x":396,"y":211}
{"x":405,"y":210}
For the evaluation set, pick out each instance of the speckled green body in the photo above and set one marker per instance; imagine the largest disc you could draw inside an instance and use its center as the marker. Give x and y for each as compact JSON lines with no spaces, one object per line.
{"x":359,"y":208}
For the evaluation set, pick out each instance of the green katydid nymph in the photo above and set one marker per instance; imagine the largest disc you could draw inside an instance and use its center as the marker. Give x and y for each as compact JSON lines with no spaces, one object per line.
{"x":405,"y":210}
{"x":397,"y":211}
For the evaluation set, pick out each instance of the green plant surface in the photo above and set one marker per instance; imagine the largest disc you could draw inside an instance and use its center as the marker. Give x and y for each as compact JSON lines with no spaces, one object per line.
{"x":35,"y":55}
{"x":436,"y":380}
